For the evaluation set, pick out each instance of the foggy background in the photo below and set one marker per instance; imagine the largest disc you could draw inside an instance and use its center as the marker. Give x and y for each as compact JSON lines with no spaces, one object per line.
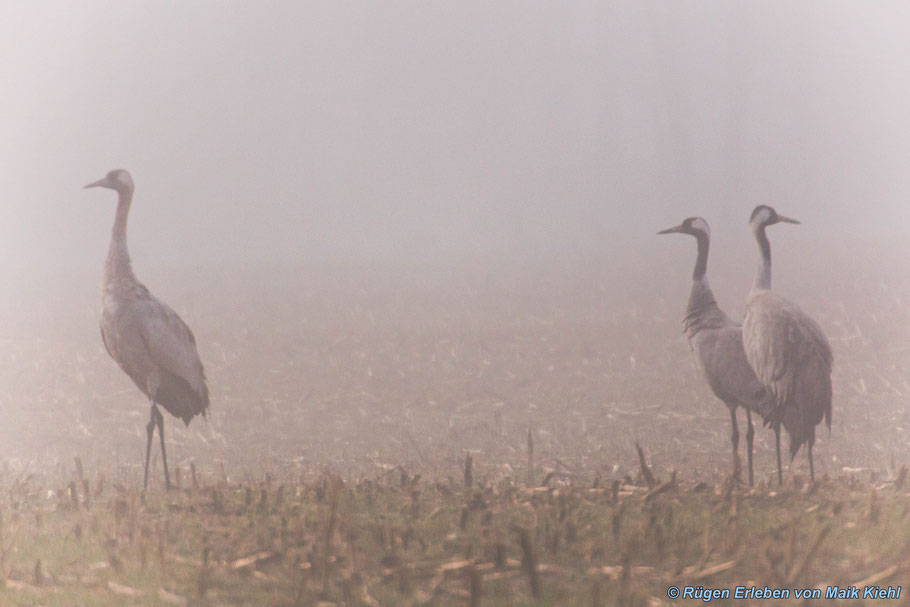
{"x":379,"y":176}
{"x":290,"y":130}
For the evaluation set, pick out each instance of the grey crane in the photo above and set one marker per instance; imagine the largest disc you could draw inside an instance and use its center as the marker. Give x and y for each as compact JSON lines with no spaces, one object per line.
{"x":717,"y":341}
{"x":787,"y":350}
{"x":146,"y":338}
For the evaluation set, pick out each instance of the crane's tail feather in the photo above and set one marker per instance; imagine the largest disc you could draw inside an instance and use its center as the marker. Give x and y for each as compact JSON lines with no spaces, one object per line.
{"x":180,"y":399}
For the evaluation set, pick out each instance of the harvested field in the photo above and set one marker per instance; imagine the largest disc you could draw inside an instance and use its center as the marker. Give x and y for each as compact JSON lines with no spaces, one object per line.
{"x":347,"y":399}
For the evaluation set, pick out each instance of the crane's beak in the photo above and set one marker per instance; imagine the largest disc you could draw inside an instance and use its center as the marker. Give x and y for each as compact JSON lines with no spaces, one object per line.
{"x":671,"y":230}
{"x":101,"y":183}
{"x":786,"y":219}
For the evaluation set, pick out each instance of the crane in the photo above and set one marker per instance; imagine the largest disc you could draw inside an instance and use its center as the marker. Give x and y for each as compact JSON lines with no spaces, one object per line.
{"x":718,"y":345}
{"x":146,"y":338}
{"x":787,"y":350}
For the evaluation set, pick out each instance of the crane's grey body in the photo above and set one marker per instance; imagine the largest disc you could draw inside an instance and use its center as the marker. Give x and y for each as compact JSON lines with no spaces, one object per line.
{"x":788,"y":352}
{"x":792,"y":358}
{"x":155,"y":348}
{"x":718,"y":345}
{"x":146,"y":338}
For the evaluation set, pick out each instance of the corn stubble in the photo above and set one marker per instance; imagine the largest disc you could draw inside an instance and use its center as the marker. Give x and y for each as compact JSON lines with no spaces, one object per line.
{"x":396,"y":539}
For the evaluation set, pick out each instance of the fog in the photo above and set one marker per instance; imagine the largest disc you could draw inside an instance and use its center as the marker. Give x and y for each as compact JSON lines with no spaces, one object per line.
{"x":319,"y":129}
{"x":297,"y":163}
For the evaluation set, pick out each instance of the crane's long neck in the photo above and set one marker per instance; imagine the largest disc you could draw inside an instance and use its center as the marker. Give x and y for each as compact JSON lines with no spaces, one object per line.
{"x":701,"y":263}
{"x":118,"y":267}
{"x":702,"y":311}
{"x":763,"y":276}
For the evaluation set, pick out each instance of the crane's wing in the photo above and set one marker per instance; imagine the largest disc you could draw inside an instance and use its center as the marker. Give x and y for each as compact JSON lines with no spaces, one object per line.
{"x":104,"y":340}
{"x":781,"y":340}
{"x":172,"y":346}
{"x":729,"y":375}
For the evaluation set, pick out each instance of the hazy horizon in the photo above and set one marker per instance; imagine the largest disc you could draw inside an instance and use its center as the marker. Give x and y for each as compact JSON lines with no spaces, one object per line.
{"x":320,"y":130}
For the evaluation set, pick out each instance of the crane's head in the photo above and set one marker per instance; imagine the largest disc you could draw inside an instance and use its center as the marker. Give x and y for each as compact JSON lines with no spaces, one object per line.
{"x":118,"y":179}
{"x":695,"y":226}
{"x":763,"y":216}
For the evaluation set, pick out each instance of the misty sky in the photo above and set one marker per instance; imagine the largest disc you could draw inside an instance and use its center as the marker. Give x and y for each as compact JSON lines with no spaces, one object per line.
{"x":292,"y":130}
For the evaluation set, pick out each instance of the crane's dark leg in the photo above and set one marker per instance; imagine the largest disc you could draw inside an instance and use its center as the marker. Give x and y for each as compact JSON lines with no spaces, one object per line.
{"x":734,"y":438}
{"x":750,"y":436}
{"x":780,"y":474}
{"x":160,"y":421}
{"x":150,"y":429}
{"x":811,"y":464}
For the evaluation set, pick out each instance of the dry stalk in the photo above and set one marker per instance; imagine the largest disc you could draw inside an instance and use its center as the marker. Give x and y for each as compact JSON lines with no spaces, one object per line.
{"x":530,"y":458}
{"x":468,"y":474}
{"x":329,"y":532}
{"x":798,"y":570}
{"x":529,"y":560}
{"x":475,"y":579}
{"x":645,"y":470}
